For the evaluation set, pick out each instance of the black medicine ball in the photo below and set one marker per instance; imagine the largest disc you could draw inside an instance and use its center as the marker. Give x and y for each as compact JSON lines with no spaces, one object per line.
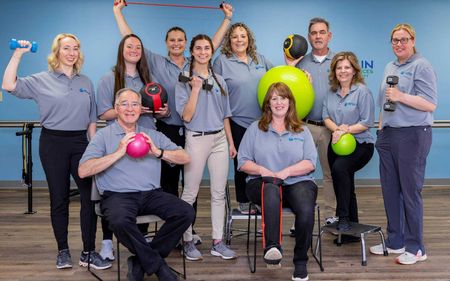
{"x":295,"y":46}
{"x":154,"y":96}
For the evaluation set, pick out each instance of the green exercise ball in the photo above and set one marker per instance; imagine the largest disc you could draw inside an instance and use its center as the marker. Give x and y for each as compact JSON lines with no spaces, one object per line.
{"x":345,"y":146}
{"x":296,"y":80}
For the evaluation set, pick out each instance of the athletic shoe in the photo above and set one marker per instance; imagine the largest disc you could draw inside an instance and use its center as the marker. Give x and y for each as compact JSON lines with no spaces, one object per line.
{"x":190,"y":251}
{"x":96,"y":261}
{"x":273,"y":256}
{"x":197,"y":239}
{"x":378,"y":250}
{"x":107,"y":250}
{"x":330,"y":220}
{"x":244,"y":208}
{"x":300,"y":273}
{"x":222,"y":250}
{"x":63,"y":259}
{"x":408,"y":258}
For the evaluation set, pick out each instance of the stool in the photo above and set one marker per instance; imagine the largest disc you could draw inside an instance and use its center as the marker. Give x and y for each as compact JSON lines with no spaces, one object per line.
{"x":357,"y":230}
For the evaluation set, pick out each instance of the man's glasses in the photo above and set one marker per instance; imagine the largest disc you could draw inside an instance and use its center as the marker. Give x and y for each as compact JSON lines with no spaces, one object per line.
{"x":126,"y":104}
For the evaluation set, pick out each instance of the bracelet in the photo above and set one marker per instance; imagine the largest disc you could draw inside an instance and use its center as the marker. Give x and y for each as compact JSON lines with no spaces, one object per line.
{"x":228,"y":18}
{"x":161,"y":155}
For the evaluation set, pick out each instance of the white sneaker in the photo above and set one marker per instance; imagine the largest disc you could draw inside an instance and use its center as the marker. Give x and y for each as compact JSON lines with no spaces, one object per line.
{"x":273,"y":256}
{"x":107,"y":250}
{"x":378,"y":250}
{"x":408,"y":258}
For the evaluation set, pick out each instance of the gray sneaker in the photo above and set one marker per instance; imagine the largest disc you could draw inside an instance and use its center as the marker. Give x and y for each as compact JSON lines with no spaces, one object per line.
{"x":64,"y":259}
{"x":222,"y":250}
{"x":190,"y":251}
{"x":96,"y":261}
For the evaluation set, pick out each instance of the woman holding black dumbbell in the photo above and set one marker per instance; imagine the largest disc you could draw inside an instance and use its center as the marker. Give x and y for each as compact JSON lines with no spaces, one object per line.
{"x":68,"y":117}
{"x":204,"y":106}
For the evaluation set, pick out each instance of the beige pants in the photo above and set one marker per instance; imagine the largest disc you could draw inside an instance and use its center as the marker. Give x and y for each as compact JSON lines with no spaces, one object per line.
{"x":322,"y":136}
{"x":213,"y":151}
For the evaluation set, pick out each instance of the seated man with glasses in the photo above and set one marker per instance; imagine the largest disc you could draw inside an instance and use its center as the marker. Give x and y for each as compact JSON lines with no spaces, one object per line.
{"x":131,"y":187}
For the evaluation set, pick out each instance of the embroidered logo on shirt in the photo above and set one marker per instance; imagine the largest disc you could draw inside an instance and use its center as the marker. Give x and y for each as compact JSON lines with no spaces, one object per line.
{"x":259,"y":66}
{"x":296,"y":139}
{"x":406,"y":73}
{"x":349,"y":103}
{"x":83,"y":90}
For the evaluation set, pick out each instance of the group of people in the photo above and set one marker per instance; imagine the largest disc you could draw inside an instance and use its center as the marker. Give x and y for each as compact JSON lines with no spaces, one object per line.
{"x":213,"y":117}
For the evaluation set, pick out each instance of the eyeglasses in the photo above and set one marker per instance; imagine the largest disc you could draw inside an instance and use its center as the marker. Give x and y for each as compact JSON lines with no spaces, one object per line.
{"x":125,"y":104}
{"x":403,"y":41}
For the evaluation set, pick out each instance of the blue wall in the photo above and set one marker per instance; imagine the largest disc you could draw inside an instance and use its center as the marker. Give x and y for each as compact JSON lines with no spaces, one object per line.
{"x":360,"y":26}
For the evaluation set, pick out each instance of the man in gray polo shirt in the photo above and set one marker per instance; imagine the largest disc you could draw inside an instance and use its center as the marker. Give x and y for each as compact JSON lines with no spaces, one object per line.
{"x":317,"y":63}
{"x":131,"y":187}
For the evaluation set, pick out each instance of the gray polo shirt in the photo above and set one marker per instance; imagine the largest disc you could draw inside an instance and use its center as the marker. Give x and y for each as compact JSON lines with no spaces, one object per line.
{"x":356,"y":107}
{"x":242,"y":80}
{"x":127,"y":174}
{"x":105,"y":95}
{"x":416,"y":77}
{"x":319,"y":72}
{"x":212,"y":107}
{"x":277,"y":151}
{"x":64,"y":103}
{"x":166,"y":73}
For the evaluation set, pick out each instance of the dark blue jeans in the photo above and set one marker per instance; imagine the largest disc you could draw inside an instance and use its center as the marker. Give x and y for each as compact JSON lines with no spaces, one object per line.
{"x":121,"y":210}
{"x":301,"y":198}
{"x":403,"y":155}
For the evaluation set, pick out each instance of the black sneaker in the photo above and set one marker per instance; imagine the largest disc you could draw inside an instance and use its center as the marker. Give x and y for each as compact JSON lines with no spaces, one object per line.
{"x":343,"y":224}
{"x":300,"y":273}
{"x":164,"y":273}
{"x":135,"y":270}
{"x":97,"y":262}
{"x":64,"y":259}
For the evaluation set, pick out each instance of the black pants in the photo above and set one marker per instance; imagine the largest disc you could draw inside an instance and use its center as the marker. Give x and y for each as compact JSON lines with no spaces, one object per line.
{"x":239,"y":177}
{"x":301,"y":198}
{"x":60,"y":153}
{"x":343,"y":170}
{"x":121,"y":210}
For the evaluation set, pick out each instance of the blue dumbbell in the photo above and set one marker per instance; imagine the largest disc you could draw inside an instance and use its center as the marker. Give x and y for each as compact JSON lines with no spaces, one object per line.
{"x":13,"y":44}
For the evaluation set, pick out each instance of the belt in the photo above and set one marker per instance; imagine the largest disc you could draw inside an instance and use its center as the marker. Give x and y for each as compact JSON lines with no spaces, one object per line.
{"x":312,"y":122}
{"x":198,"y":134}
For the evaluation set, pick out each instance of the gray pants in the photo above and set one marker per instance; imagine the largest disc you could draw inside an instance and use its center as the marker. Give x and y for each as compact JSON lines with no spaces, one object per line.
{"x":403,"y":153}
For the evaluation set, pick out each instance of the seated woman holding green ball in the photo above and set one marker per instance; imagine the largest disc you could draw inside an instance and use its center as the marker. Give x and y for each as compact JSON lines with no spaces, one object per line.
{"x":348,"y":109}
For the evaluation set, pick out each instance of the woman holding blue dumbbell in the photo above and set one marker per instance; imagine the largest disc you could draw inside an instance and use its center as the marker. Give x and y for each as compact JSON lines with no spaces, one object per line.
{"x":67,"y":114}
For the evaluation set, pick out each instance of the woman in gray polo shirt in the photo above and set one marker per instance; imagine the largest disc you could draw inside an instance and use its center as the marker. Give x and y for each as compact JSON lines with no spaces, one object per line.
{"x":242,"y":68}
{"x":348,"y":109}
{"x":403,"y":143}
{"x":279,"y":156}
{"x":204,"y":106}
{"x":68,"y":116}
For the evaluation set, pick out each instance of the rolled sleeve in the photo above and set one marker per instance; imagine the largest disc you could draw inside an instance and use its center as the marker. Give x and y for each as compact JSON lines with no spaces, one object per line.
{"x":425,"y":84}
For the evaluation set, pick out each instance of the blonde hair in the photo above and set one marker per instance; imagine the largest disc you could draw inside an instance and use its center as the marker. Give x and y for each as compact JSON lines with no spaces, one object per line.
{"x":53,"y":60}
{"x":408,"y":28}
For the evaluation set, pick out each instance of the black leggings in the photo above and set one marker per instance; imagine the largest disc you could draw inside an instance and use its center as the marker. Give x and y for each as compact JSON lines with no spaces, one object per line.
{"x":343,"y":170}
{"x":60,"y":153}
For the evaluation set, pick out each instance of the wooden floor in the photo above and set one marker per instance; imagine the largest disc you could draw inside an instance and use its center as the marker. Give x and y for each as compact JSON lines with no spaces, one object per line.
{"x":28,"y":249}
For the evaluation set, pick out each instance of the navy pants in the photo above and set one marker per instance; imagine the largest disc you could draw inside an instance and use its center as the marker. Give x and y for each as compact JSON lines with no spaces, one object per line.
{"x":121,"y":210}
{"x":403,"y":154}
{"x":301,"y":198}
{"x":343,"y":170}
{"x":60,"y":153}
